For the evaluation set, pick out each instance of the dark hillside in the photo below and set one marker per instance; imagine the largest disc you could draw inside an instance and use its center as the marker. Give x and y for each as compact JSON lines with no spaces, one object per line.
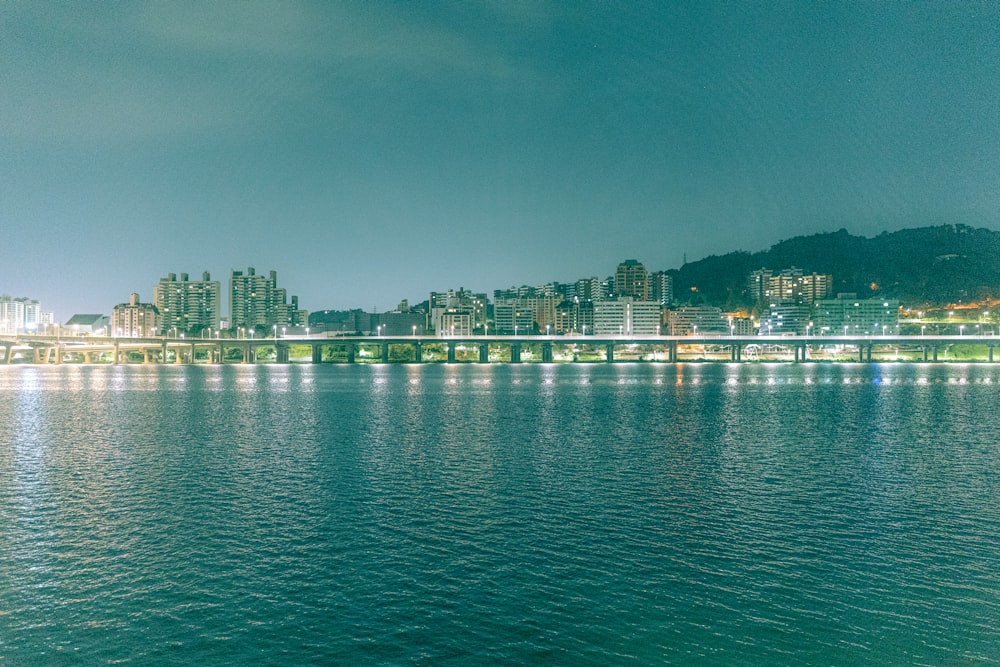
{"x":925,"y":265}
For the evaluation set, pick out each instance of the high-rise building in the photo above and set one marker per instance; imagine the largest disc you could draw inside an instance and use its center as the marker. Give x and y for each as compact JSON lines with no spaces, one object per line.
{"x":188,"y":305}
{"x":661,"y":287}
{"x":541,"y":307}
{"x":22,"y":315}
{"x":135,"y":319}
{"x":632,"y":280}
{"x":256,"y":301}
{"x":788,"y":286}
{"x":574,"y":316}
{"x":510,"y":318}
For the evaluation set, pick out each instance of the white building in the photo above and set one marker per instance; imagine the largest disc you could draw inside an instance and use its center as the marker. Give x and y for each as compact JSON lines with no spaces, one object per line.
{"x":22,"y":315}
{"x":626,"y":317}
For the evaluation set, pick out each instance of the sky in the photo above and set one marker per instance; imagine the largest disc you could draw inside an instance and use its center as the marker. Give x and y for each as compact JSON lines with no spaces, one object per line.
{"x":371,"y":152}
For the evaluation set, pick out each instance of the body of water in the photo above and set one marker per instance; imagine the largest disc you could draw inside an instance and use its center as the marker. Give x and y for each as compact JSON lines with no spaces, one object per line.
{"x":477,"y":514}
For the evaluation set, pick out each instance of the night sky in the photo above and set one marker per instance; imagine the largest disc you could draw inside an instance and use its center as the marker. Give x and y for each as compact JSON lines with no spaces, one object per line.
{"x":371,"y":152}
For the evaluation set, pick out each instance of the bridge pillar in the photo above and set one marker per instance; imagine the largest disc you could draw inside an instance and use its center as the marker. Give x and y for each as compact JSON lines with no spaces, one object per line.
{"x":739,"y":352}
{"x":418,"y":353}
{"x":349,"y":349}
{"x":870,"y":353}
{"x":991,"y":354}
{"x":451,"y":352}
{"x":515,"y":353}
{"x":609,"y":352}
{"x":672,"y":350}
{"x":484,"y":353}
{"x":8,"y":353}
{"x":384,"y":355}
{"x":317,"y":354}
{"x":58,"y":355}
{"x":924,"y":348}
{"x":220,"y":353}
{"x":281,"y":354}
{"x":546,"y":353}
{"x":38,"y":354}
{"x":117,"y":352}
{"x":935,"y":350}
{"x":145,"y":355}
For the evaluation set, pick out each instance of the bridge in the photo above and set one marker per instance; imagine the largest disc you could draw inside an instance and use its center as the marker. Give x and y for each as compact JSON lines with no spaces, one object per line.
{"x":47,"y":349}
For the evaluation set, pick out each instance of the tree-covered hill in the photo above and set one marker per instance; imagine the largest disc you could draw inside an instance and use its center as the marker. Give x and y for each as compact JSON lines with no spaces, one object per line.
{"x":934,"y":265}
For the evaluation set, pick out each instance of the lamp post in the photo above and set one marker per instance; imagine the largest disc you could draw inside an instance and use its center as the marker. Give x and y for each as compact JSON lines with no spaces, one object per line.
{"x":961,"y":329}
{"x":414,"y":330}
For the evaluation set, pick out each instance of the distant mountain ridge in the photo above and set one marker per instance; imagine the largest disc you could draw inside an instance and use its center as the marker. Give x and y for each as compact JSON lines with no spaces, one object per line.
{"x":926,"y":265}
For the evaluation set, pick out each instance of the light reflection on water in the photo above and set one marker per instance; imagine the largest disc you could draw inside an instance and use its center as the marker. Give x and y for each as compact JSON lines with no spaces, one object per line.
{"x":758,"y":513}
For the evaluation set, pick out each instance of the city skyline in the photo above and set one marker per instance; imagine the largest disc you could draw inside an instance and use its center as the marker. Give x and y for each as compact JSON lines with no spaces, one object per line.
{"x":475,"y":145}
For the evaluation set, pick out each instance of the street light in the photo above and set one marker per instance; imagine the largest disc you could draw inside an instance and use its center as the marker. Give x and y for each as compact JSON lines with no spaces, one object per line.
{"x":414,"y":330}
{"x":961,"y":329}
{"x":251,"y":334}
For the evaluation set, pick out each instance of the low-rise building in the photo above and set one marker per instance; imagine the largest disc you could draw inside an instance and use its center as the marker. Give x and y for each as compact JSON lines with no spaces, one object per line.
{"x":785,"y":318}
{"x":87,"y":325}
{"x":689,"y":320}
{"x":847,"y":314}
{"x":626,"y":317}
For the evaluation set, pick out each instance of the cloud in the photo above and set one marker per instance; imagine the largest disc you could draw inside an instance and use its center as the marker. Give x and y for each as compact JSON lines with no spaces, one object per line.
{"x":97,"y":72}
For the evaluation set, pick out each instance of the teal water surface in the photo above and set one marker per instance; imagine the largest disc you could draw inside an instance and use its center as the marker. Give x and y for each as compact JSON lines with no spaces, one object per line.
{"x":474,"y":514}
